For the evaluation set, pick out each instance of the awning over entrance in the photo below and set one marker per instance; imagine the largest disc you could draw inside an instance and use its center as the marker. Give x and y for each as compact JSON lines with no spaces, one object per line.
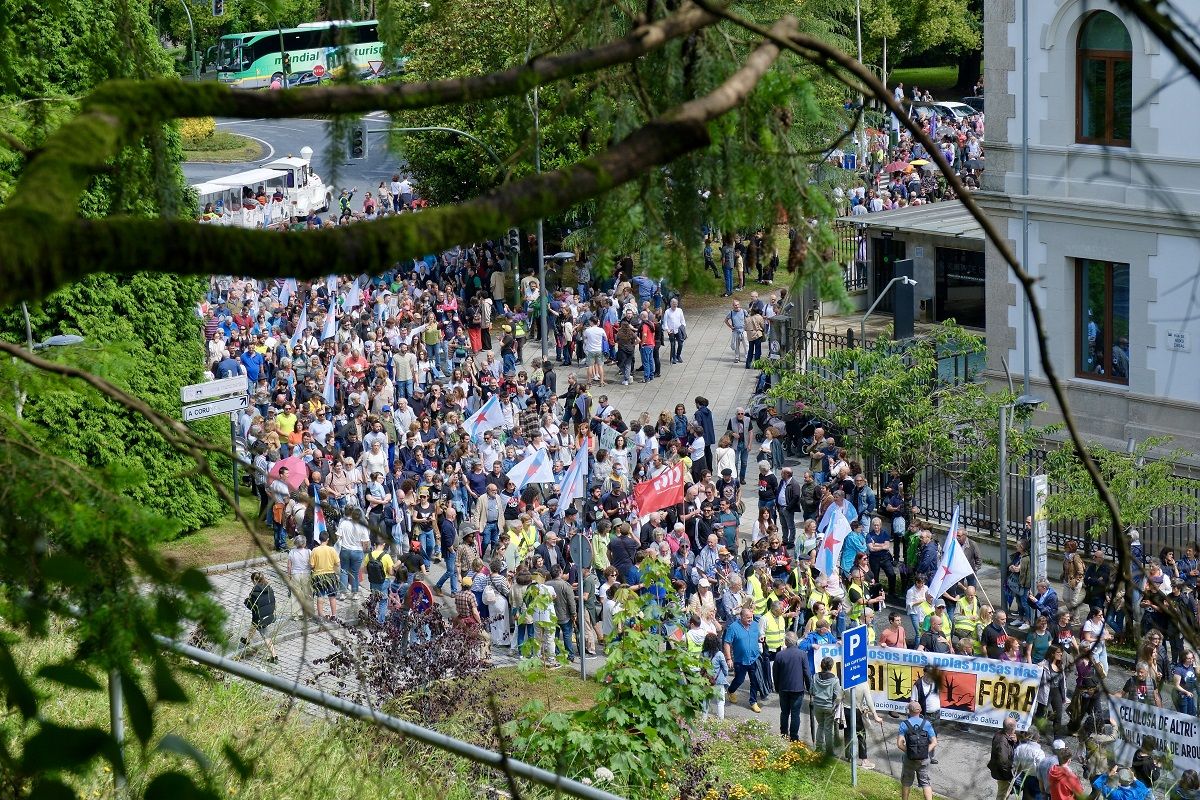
{"x":949,"y":218}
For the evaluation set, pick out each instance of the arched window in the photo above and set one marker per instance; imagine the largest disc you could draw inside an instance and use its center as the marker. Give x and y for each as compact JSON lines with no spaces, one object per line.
{"x":1104,"y":82}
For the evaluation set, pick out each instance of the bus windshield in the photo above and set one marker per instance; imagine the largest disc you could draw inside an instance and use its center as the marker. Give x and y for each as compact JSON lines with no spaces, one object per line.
{"x":229,"y":54}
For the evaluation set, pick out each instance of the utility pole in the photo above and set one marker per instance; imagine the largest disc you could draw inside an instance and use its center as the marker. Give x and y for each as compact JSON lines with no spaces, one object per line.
{"x":541,"y":247}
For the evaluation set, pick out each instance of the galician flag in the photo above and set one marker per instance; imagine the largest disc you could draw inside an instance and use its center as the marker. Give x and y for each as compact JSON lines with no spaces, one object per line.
{"x":331,"y":286}
{"x":954,"y":565}
{"x":329,"y":395}
{"x":353,"y":297}
{"x":489,"y":416}
{"x":574,"y":481}
{"x":834,"y":529}
{"x":329,"y":329}
{"x":319,"y":525}
{"x":287,"y":290}
{"x":535,"y":468}
{"x":301,"y":324}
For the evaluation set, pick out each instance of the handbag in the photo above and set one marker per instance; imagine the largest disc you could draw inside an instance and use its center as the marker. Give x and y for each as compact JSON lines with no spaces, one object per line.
{"x":490,"y":595}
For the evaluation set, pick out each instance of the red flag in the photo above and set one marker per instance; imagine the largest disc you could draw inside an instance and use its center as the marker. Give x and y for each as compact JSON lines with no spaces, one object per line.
{"x":662,"y":492}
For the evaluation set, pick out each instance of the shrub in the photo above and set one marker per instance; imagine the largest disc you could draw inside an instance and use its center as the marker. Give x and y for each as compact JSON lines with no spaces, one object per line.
{"x":194,"y":129}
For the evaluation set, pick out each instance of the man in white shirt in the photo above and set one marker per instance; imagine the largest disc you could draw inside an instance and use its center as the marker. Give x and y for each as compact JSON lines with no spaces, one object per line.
{"x":321,"y":427}
{"x":593,"y":350}
{"x":403,"y":416}
{"x":675,"y":325}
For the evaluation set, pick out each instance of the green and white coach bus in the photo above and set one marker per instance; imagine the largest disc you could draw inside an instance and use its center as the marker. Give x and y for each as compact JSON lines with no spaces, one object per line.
{"x":255,"y":59}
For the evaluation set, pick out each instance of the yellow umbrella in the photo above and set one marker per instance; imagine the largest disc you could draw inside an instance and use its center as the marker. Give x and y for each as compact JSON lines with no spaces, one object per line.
{"x":918,"y":162}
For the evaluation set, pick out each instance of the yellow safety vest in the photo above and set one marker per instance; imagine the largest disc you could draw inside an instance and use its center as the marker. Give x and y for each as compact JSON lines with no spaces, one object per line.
{"x":526,"y":539}
{"x":774,"y":629}
{"x":967,"y":617}
{"x":694,"y":646}
{"x":860,"y":606}
{"x":760,"y":597}
{"x":945,"y":623}
{"x":818,"y":597}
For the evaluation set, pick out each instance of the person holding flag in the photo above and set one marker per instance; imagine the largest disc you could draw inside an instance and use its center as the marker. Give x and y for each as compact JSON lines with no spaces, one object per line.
{"x":954,"y":565}
{"x":537,"y":467}
{"x":834,"y":529}
{"x":490,"y":415}
{"x":329,"y":393}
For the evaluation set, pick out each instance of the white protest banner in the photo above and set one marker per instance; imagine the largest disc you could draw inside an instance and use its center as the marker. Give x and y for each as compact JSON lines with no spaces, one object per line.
{"x":1177,"y":734}
{"x":973,"y":691}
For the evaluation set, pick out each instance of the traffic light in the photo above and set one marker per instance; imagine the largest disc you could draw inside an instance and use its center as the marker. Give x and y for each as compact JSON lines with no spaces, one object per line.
{"x":218,"y":8}
{"x":514,"y":239}
{"x":358,"y":141}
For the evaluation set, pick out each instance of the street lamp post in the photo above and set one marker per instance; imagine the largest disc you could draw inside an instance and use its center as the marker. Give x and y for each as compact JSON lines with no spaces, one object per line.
{"x":862,"y":325}
{"x":1024,"y":401}
{"x":541,"y":257}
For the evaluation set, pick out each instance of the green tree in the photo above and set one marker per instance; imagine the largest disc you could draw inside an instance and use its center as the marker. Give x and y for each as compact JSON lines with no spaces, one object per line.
{"x":887,"y":402}
{"x":943,"y":29}
{"x":1145,"y":487}
{"x":650,"y":692}
{"x":58,"y":51}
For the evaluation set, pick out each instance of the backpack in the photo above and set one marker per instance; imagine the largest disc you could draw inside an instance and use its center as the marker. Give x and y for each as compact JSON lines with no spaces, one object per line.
{"x":375,"y":572}
{"x":916,"y":742}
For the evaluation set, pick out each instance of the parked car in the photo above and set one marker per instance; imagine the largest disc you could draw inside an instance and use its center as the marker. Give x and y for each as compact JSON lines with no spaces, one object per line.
{"x":975,"y":103}
{"x":943,"y":108}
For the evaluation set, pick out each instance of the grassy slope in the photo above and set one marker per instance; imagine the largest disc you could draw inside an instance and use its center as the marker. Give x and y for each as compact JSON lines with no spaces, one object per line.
{"x":935,"y":79}
{"x":222,"y":543}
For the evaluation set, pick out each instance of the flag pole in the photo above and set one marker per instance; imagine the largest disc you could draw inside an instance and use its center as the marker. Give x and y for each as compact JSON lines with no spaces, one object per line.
{"x":579,"y":631}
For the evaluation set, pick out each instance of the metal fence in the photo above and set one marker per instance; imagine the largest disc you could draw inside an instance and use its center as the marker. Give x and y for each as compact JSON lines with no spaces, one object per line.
{"x":937,"y":494}
{"x":955,"y":367}
{"x":852,"y":255}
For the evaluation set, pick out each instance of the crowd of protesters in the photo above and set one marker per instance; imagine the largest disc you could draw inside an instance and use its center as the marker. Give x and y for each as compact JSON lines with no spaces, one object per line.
{"x":359,"y":393}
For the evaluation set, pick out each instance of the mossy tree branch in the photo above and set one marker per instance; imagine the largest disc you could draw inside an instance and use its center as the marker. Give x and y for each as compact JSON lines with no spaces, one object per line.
{"x":42,"y":252}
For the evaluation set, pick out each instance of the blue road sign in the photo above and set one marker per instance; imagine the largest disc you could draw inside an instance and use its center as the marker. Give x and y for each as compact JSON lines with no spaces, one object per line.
{"x":854,"y":657}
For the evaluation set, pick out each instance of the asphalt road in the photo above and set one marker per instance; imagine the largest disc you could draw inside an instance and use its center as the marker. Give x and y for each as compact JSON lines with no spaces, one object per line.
{"x":284,"y":137}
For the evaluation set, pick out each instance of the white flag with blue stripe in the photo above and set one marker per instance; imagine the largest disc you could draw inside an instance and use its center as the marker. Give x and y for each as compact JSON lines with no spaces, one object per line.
{"x":537,"y":467}
{"x":574,"y":481}
{"x":329,"y":329}
{"x":489,"y":416}
{"x":954,"y":565}
{"x":329,"y":395}
{"x":301,"y":324}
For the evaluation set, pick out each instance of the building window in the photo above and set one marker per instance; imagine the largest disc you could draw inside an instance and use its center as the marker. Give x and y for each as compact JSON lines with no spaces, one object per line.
{"x":1102,"y":319}
{"x":1104,"y":82}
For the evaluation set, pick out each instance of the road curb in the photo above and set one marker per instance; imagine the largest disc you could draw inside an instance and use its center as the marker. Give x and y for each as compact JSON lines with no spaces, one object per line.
{"x":218,"y":569}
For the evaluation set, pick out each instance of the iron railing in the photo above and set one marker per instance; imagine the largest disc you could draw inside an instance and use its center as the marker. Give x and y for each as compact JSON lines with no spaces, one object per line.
{"x":851,"y":253}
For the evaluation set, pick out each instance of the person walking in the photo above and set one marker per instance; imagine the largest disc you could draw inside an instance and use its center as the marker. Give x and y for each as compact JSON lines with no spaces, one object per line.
{"x":735,"y":320}
{"x":864,"y":708}
{"x":788,"y":671}
{"x":261,"y":602}
{"x":916,"y":740}
{"x":675,"y":324}
{"x":325,"y":566}
{"x":354,"y":538}
{"x":1001,"y":761}
{"x":826,"y":702}
{"x":718,"y":674}
{"x":743,"y":646}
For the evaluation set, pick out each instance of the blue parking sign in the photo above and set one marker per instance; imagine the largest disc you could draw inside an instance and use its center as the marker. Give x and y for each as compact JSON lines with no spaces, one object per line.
{"x":854,"y":657}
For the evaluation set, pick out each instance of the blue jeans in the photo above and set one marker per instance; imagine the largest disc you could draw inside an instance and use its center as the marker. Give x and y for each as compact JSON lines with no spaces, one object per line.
{"x":451,"y":573}
{"x":438,"y":357}
{"x":728,"y":279}
{"x":427,"y":545}
{"x":585,"y":292}
{"x":567,"y":629}
{"x":743,"y":459}
{"x":916,"y":627}
{"x":753,"y":352}
{"x":404,"y":389}
{"x":280,"y":537}
{"x":1187,"y":705}
{"x":490,"y":536}
{"x":381,"y":609}
{"x":525,"y":633}
{"x":647,"y":363}
{"x":740,"y":673}
{"x":351,"y":564}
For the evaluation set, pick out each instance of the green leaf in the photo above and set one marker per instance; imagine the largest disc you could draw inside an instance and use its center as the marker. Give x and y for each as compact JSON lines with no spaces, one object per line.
{"x":166,"y":688}
{"x":174,"y":743}
{"x":243,"y":768}
{"x":66,"y":570}
{"x":193,"y":580}
{"x":176,"y":786}
{"x":49,"y":789}
{"x":141,"y":716}
{"x":17,"y":691}
{"x":55,"y":747}
{"x":69,"y":675}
